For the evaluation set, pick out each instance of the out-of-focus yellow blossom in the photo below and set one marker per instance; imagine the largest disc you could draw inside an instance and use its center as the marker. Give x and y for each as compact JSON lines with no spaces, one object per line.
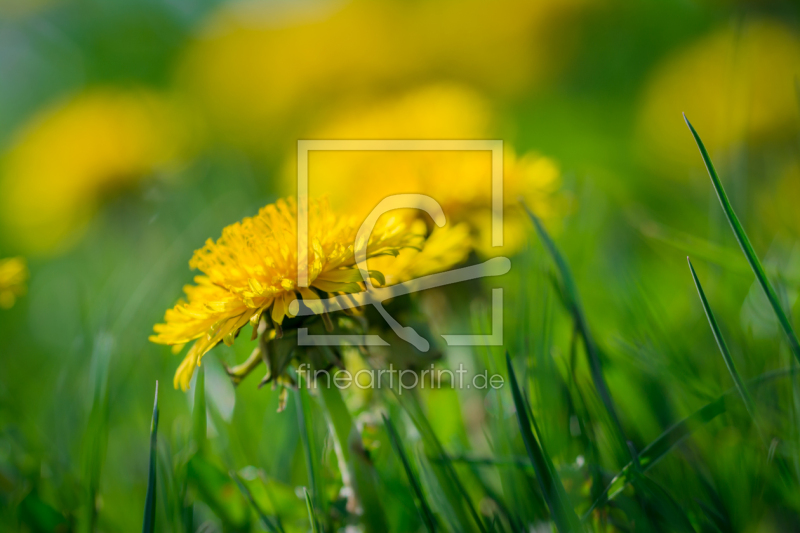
{"x":252,"y":269}
{"x":67,"y":159}
{"x":461,"y":181}
{"x":258,"y":63}
{"x":13,"y":276}
{"x":736,"y":85}
{"x":536,"y":180}
{"x":777,"y":201}
{"x":444,"y":248}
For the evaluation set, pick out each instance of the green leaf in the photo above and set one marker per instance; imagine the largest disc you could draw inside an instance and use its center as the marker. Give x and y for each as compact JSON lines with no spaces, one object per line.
{"x":561,"y":509}
{"x":149,"y":523}
{"x":747,"y":248}
{"x":425,"y":510}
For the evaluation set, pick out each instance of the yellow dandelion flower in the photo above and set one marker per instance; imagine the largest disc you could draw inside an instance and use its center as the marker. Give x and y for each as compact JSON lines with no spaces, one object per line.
{"x":13,"y":275}
{"x":252,"y":270}
{"x":776,"y":200}
{"x":736,"y":85}
{"x":461,"y":181}
{"x":69,"y":158}
{"x":444,"y":248}
{"x":258,"y":64}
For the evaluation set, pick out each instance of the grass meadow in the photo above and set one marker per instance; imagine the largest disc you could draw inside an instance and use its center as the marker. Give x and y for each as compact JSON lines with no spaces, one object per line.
{"x":646,"y":372}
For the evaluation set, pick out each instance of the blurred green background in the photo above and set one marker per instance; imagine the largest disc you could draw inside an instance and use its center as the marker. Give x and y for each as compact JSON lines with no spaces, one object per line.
{"x":131,"y":132}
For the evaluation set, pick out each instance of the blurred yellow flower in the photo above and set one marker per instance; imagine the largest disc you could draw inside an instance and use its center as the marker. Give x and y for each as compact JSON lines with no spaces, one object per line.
{"x":444,"y":248}
{"x":67,"y":159}
{"x":259,"y":63}
{"x":13,"y":275}
{"x":776,"y":199}
{"x":736,"y":85}
{"x":461,"y":181}
{"x":252,"y":269}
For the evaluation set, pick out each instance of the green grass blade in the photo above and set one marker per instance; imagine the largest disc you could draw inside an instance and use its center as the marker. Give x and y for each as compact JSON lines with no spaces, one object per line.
{"x":212,"y":484}
{"x":357,"y":470}
{"x":710,"y":252}
{"x":199,"y":416}
{"x":425,"y":510}
{"x":498,"y":499}
{"x":311,"y":516}
{"x":266,"y":520}
{"x":450,"y":485}
{"x":723,"y":347}
{"x":305,"y":430}
{"x":484,"y":461}
{"x":149,"y":523}
{"x":576,"y":309}
{"x":737,"y":378}
{"x":561,"y":510}
{"x":747,"y":248}
{"x":664,"y":505}
{"x":96,"y":436}
{"x":674,"y":435}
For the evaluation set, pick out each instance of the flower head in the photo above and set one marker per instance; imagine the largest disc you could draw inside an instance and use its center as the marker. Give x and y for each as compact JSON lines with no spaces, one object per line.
{"x":737,"y":86}
{"x":262,"y":64}
{"x":252,"y":270}
{"x":444,"y":248}
{"x":70,"y":157}
{"x":13,"y":275}
{"x":459,"y":180}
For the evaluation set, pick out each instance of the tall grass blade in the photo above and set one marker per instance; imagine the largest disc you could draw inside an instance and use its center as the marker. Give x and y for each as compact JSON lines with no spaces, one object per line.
{"x":561,"y":510}
{"x":199,"y":416}
{"x":212,"y":484}
{"x":674,"y":435}
{"x":425,"y":510}
{"x":737,"y":378}
{"x":523,"y":501}
{"x":496,"y":497}
{"x":671,"y":513}
{"x":570,"y":293}
{"x":485,"y":461}
{"x":311,"y":516}
{"x":357,"y":470}
{"x":451,"y":489}
{"x":149,"y":523}
{"x":266,"y":520}
{"x":728,"y":258}
{"x":96,"y":436}
{"x":305,"y":428}
{"x":747,"y":248}
{"x":723,"y":347}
